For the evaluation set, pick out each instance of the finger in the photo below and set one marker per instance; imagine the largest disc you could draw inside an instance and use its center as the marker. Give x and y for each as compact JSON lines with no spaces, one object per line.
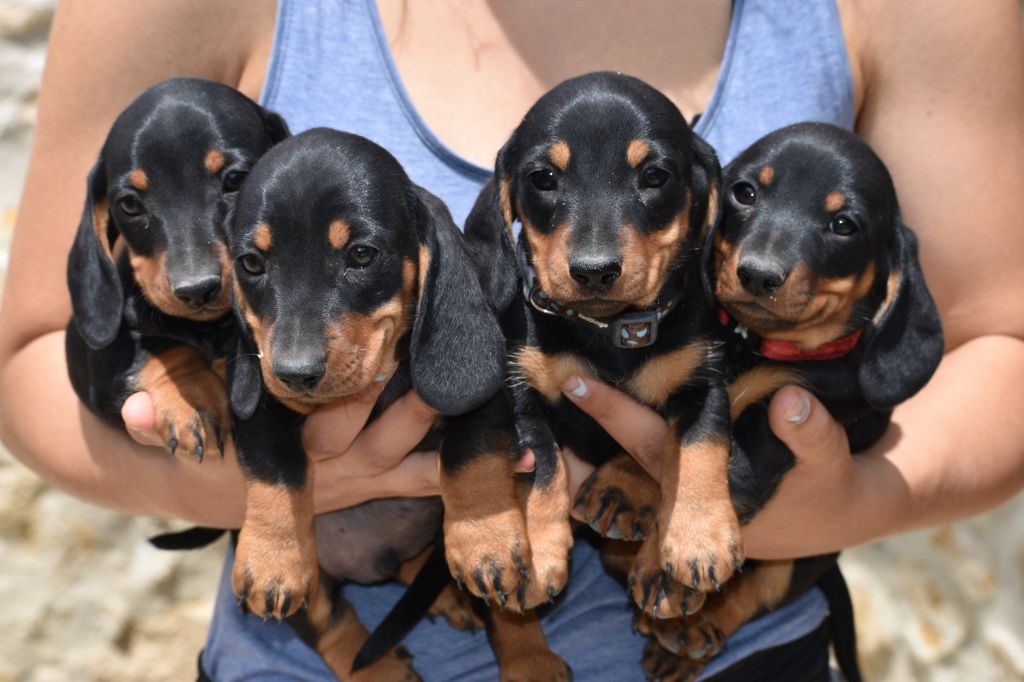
{"x":804,"y":425}
{"x":139,"y":420}
{"x":579,"y":470}
{"x":526,"y":463}
{"x":637,"y":428}
{"x":396,"y":432}
{"x":331,"y":429}
{"x":417,"y":475}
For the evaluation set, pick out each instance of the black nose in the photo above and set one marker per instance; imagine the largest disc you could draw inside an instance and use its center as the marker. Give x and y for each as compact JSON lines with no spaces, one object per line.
{"x":300,"y":375}
{"x":595,"y":273}
{"x":198,"y":292}
{"x":760,"y":277}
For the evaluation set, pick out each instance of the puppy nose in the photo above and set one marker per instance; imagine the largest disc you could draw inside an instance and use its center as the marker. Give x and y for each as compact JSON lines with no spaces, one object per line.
{"x":198,"y":292}
{"x":595,"y":273}
{"x":760,"y":277}
{"x":301,"y":374}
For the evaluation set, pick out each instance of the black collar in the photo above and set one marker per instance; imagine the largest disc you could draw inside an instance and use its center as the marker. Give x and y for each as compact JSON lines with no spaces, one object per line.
{"x":630,"y":331}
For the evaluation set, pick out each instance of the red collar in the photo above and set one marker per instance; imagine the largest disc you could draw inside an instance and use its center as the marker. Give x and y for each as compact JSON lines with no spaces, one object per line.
{"x":789,"y":351}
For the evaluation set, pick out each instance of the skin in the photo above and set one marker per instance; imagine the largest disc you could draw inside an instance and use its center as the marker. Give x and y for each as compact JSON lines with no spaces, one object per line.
{"x":939,"y":88}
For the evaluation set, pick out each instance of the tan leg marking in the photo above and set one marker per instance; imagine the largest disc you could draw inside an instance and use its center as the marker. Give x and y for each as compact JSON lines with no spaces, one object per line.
{"x":550,"y":533}
{"x":546,"y":373}
{"x":486,"y":541}
{"x":190,"y":401}
{"x":618,"y":500}
{"x":275,"y":568}
{"x":522,"y":652}
{"x":663,"y":375}
{"x":757,"y":384}
{"x":339,"y":638}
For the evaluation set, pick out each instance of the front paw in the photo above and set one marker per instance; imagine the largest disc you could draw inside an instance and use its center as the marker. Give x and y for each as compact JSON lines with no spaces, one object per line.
{"x":191,"y":411}
{"x":273,"y":576}
{"x":618,"y":500}
{"x":702,"y":549}
{"x":489,"y":556}
{"x":654,"y":588}
{"x":663,"y":666}
{"x":696,"y":637}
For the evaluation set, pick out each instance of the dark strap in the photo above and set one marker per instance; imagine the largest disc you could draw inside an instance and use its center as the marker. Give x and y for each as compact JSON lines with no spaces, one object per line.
{"x":842,"y":629}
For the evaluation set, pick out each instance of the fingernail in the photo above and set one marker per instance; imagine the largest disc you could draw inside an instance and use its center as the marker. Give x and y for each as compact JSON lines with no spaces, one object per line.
{"x":798,"y":409}
{"x":576,"y":386}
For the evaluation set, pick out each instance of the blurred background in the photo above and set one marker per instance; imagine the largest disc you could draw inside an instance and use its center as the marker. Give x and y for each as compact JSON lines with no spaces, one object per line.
{"x":85,"y":598}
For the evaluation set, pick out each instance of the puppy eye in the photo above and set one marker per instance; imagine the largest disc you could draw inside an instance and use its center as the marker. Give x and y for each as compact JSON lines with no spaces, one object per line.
{"x":232,"y":181}
{"x":252,"y":264}
{"x":744,"y":193}
{"x":652,"y":176}
{"x":360,"y":256}
{"x":544,"y":180}
{"x":842,"y":225}
{"x":130,"y":205}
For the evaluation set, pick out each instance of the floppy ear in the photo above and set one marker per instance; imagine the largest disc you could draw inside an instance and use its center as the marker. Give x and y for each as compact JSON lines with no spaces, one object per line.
{"x":244,"y":378}
{"x":706,"y":206}
{"x":905,"y":344}
{"x":457,"y":350}
{"x":97,"y":297}
{"x":274,"y":124}
{"x":488,"y":234}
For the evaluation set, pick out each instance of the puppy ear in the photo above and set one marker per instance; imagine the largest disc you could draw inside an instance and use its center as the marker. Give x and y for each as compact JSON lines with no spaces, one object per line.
{"x":97,"y":298}
{"x":274,"y":124}
{"x":489,"y":237}
{"x":905,"y":343}
{"x":244,"y":378}
{"x":706,"y":205}
{"x":457,"y":350}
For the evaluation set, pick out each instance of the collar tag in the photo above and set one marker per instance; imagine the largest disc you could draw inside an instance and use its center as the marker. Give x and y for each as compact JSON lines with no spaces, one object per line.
{"x":635,"y":330}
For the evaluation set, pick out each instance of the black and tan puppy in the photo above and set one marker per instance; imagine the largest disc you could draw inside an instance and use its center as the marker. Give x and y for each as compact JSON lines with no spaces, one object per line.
{"x":819,"y":284}
{"x":346,"y":275}
{"x":615,"y":195}
{"x":149,"y":309}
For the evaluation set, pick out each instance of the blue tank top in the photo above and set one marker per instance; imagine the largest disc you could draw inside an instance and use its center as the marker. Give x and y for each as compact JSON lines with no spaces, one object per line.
{"x":784,"y":62}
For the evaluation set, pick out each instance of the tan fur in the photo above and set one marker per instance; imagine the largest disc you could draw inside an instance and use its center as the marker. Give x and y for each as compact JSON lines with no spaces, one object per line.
{"x":834,"y":201}
{"x":276,"y":552}
{"x":139,"y":180}
{"x":636,"y":497}
{"x":546,"y":373}
{"x":213,"y":161}
{"x":663,"y":375}
{"x":484,"y":529}
{"x":522,"y":651}
{"x":338,"y":234}
{"x":636,"y":152}
{"x":505,"y":202}
{"x":757,"y":384}
{"x":766,"y":175}
{"x":559,"y":155}
{"x":709,"y":217}
{"x":892,"y":287}
{"x":262,"y":238}
{"x":151,"y":275}
{"x":547,"y":526}
{"x":101,"y":225}
{"x":646,"y":259}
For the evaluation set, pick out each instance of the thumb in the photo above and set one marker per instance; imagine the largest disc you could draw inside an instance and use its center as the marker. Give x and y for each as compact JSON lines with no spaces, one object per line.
{"x":804,"y":425}
{"x":139,"y":419}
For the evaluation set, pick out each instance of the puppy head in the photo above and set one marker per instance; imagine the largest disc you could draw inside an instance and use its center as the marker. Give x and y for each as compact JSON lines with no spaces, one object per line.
{"x":342,"y":268}
{"x":612,"y":189}
{"x":165,"y":182}
{"x":811,"y":247}
{"x":802,"y":252}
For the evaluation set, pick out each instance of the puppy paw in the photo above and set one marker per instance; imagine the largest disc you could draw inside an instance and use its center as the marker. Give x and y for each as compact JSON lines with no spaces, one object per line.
{"x":456,"y":607}
{"x":663,"y":666}
{"x":488,"y":556}
{"x":546,"y":510}
{"x":696,"y":637}
{"x":702,"y":548}
{"x":654,"y":588}
{"x":618,"y":500}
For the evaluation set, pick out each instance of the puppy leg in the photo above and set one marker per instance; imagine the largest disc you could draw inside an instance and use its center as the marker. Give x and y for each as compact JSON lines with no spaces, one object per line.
{"x":522,"y":652}
{"x":618,"y":500}
{"x":190,"y":402}
{"x":335,"y":632}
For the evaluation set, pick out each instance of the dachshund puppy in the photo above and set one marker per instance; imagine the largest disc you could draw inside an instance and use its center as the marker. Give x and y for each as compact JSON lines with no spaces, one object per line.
{"x":151,"y":316}
{"x":615,"y":195}
{"x":348,"y":275}
{"x":819,"y":284}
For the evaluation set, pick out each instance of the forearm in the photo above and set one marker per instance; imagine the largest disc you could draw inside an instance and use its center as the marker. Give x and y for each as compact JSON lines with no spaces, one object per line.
{"x":43,"y":423}
{"x":953,"y":450}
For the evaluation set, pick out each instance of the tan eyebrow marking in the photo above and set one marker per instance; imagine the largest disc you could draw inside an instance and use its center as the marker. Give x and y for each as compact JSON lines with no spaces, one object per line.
{"x":766,"y":175}
{"x":338,"y":234}
{"x":139,"y":180}
{"x":213,"y":161}
{"x":834,"y":201}
{"x":559,"y":155}
{"x":636,"y":152}
{"x":261,"y":237}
